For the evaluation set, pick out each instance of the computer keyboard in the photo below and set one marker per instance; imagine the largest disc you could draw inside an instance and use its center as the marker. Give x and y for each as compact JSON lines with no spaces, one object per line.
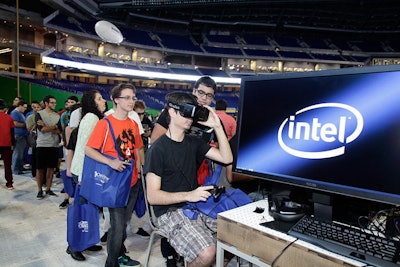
{"x":348,"y":241}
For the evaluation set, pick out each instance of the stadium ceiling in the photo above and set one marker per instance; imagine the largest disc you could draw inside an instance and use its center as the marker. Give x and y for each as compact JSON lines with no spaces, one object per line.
{"x":363,"y":19}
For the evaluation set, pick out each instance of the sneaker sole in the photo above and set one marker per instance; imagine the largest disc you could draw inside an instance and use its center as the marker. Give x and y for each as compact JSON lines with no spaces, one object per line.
{"x":143,"y":236}
{"x":121,"y":264}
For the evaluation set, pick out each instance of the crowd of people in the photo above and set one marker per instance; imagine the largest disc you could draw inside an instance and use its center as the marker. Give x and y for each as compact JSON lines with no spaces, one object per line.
{"x":176,"y":152}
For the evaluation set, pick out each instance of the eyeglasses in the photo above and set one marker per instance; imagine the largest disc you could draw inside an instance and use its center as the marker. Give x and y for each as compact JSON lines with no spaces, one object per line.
{"x":140,"y":113}
{"x":202,"y":93}
{"x":52,"y":102}
{"x":127,"y":97}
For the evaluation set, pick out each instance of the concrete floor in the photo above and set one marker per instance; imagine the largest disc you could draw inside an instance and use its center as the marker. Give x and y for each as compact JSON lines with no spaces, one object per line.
{"x":33,"y":232}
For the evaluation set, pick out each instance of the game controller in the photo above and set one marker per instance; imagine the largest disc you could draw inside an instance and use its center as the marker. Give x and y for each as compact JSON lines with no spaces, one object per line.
{"x":217,"y":191}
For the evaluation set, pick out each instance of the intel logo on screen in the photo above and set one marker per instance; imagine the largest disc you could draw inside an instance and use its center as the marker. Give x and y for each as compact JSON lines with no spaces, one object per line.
{"x":320,"y":131}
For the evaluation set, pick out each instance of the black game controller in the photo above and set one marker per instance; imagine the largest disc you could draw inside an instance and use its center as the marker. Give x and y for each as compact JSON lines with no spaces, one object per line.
{"x":217,"y":191}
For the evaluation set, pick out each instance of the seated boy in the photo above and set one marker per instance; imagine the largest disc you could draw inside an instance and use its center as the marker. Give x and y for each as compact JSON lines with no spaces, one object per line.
{"x":172,"y":181}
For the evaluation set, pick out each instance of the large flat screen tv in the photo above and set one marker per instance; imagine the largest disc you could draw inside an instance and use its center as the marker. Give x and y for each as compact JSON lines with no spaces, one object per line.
{"x":336,"y":131}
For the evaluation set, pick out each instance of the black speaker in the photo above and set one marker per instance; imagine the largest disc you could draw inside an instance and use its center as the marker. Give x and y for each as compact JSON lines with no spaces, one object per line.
{"x":283,"y":209}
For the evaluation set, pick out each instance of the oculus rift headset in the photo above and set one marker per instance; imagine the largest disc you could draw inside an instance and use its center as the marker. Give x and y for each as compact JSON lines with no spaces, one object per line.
{"x":282,"y":209}
{"x":197,"y":113}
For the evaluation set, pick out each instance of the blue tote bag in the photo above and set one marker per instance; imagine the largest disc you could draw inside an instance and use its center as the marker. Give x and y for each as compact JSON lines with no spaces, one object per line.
{"x":82,"y":224}
{"x":140,"y":206}
{"x":68,"y":183}
{"x":228,"y":200}
{"x":104,"y":186}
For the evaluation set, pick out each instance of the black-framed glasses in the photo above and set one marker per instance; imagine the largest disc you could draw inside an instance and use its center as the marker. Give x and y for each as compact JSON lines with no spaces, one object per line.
{"x":127,"y":97}
{"x":140,"y":113}
{"x":202,"y":93}
{"x":52,"y":102}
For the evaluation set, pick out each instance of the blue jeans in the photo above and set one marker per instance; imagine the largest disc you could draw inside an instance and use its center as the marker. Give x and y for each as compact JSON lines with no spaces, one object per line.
{"x":18,"y":154}
{"x":117,"y":232}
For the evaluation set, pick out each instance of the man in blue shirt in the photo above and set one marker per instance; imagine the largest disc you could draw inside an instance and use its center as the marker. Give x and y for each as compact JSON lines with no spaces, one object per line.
{"x":20,"y":133}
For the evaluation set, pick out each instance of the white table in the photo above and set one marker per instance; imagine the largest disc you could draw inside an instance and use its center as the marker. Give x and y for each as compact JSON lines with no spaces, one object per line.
{"x":240,"y":232}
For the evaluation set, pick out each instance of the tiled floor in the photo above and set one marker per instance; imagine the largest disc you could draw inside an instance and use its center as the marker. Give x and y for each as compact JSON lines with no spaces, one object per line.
{"x":33,"y":232}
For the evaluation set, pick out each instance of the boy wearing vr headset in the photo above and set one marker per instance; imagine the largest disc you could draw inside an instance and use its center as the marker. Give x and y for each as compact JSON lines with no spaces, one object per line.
{"x":171,"y":175}
{"x":204,"y":90}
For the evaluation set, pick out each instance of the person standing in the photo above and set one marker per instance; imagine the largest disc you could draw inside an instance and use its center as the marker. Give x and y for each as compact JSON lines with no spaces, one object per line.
{"x":204,"y":90}
{"x":15,"y":103}
{"x":135,"y":117}
{"x":21,"y":134}
{"x":147,"y":124}
{"x":64,"y":120}
{"x":70,"y":149}
{"x":6,"y":142}
{"x":31,"y":126}
{"x":48,"y":138}
{"x":129,"y":142}
{"x":93,"y":106}
{"x":171,"y":176}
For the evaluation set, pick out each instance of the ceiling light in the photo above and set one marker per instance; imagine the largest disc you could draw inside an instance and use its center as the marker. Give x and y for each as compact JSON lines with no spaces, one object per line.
{"x":5,"y":50}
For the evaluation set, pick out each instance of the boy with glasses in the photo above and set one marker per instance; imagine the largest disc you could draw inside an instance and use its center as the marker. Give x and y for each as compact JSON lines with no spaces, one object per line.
{"x":48,"y":138}
{"x":204,"y":90}
{"x":129,"y":145}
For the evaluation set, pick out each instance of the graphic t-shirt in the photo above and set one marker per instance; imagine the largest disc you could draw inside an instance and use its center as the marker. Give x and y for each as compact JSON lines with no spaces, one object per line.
{"x":127,"y":137}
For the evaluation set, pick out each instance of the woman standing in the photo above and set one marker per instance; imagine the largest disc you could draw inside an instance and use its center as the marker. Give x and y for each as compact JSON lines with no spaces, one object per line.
{"x":93,"y":107}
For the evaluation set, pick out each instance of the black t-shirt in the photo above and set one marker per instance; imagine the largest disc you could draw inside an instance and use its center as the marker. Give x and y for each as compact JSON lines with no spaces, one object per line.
{"x":147,"y":125}
{"x":148,"y":122}
{"x":175,"y":163}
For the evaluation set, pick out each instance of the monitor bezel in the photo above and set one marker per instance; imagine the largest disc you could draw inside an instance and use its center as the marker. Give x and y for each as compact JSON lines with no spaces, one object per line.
{"x":317,"y":185}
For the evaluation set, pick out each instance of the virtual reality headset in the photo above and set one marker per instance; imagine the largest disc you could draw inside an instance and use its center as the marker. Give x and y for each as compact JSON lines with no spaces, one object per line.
{"x":197,"y":113}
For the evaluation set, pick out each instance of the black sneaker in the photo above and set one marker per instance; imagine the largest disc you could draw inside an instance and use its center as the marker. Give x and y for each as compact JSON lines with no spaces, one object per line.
{"x":40,"y":195}
{"x":64,"y":204}
{"x":103,"y":239}
{"x":142,"y":233}
{"x":50,"y":193}
{"x":125,"y":260}
{"x":94,"y":248}
{"x":76,"y":255}
{"x":171,"y":261}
